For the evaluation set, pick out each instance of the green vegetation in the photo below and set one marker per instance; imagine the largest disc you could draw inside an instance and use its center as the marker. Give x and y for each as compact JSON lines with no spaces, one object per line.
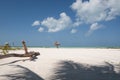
{"x":5,"y":49}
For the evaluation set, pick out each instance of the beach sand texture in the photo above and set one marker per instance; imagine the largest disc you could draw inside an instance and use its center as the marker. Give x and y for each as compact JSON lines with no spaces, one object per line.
{"x":63,"y":64}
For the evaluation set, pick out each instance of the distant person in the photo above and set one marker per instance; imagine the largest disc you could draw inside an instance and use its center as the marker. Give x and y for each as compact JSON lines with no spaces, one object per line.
{"x":57,"y":44}
{"x":6,"y":47}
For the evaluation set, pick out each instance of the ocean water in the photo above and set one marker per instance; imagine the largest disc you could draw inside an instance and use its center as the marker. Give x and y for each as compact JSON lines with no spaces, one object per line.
{"x":112,"y":47}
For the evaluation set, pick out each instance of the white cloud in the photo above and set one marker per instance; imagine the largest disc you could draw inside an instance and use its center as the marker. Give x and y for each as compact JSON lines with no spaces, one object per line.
{"x":41,"y":29}
{"x":96,"y":10}
{"x":89,"y":12}
{"x":77,"y":22}
{"x":93,"y":27}
{"x":36,"y":23}
{"x":55,"y":25}
{"x":73,"y":31}
{"x":114,"y":9}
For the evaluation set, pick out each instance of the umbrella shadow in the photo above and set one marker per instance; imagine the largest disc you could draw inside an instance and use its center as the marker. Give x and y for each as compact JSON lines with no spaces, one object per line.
{"x":69,"y":70}
{"x":23,"y":74}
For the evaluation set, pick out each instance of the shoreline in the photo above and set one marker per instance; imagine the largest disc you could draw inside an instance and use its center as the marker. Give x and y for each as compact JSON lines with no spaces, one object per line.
{"x":71,"y":47}
{"x":76,"y":47}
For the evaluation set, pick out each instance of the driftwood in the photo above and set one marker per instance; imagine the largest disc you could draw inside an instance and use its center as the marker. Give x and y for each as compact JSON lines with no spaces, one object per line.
{"x":31,"y":54}
{"x":25,"y":47}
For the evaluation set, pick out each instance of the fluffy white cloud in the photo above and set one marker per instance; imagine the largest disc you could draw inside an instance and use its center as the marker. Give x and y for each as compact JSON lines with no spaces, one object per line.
{"x":87,"y":12}
{"x":41,"y":29}
{"x":93,"y":27}
{"x":55,"y":25}
{"x":96,"y":10}
{"x":73,"y":31}
{"x":77,"y":22}
{"x":36,"y":23}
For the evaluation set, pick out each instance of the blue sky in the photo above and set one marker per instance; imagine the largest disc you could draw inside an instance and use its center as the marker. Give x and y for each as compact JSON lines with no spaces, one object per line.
{"x":71,"y":22}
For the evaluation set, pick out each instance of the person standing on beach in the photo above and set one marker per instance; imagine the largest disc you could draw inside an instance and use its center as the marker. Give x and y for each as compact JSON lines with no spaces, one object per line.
{"x":57,"y":44}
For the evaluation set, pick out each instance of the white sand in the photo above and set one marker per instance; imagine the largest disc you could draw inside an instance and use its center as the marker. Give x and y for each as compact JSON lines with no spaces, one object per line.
{"x":50,"y":57}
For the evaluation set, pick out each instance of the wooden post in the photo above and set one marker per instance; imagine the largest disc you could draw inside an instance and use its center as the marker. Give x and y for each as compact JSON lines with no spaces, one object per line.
{"x":25,"y":47}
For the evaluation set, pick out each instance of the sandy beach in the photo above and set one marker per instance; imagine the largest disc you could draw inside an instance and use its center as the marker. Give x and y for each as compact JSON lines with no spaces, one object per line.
{"x":59,"y":39}
{"x":63,"y":64}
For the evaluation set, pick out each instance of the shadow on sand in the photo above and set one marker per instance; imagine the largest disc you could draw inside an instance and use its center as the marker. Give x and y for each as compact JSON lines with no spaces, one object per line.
{"x":13,"y":62}
{"x":66,"y":70}
{"x":22,"y":74}
{"x":69,"y":70}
